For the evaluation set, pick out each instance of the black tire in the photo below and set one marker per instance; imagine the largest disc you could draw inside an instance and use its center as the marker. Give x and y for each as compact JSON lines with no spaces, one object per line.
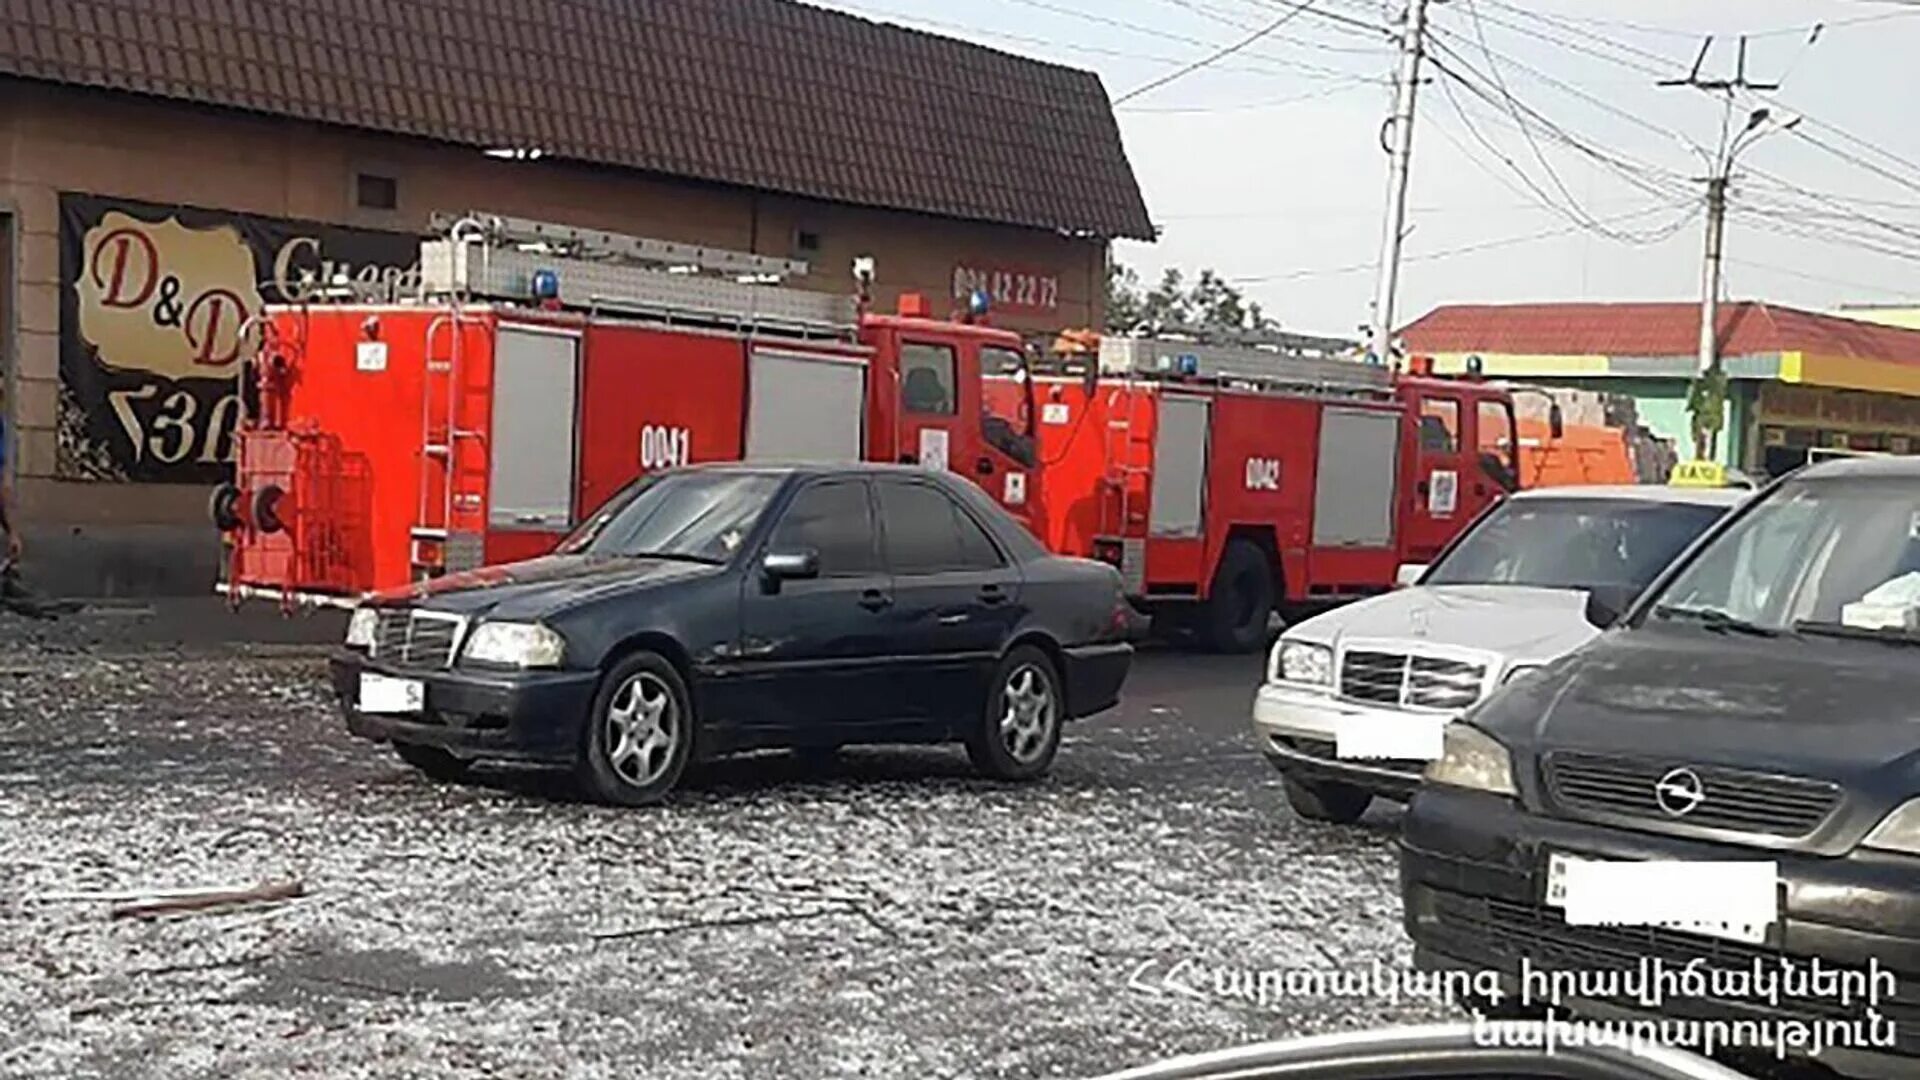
{"x":1325,"y":800}
{"x":1234,"y":618}
{"x":1019,"y":729}
{"x":266,"y":510}
{"x":645,"y":698}
{"x":436,"y":763}
{"x":223,"y":506}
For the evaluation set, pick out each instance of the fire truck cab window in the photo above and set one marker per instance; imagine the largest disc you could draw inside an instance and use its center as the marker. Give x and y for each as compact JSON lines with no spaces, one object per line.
{"x":928,"y":533}
{"x":1499,"y":449}
{"x":1006,"y":403}
{"x":835,"y":519}
{"x":1439,"y":426}
{"x":927,"y":382}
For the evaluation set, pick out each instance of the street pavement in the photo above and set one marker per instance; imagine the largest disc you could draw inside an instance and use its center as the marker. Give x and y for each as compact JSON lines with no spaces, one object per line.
{"x":892,"y":916}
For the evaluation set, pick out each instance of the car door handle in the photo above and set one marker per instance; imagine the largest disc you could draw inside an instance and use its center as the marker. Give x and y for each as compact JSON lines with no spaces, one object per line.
{"x":874,"y":600}
{"x":992,"y":594}
{"x":954,"y":619}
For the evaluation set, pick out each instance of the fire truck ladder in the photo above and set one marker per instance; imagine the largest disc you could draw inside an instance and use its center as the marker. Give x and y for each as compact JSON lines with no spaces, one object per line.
{"x":440,"y":432}
{"x":485,"y":256}
{"x":1288,"y":369}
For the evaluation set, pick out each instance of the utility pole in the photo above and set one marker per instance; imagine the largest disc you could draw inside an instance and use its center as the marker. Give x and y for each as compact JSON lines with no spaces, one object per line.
{"x":1709,"y":357}
{"x":1400,"y":130}
{"x":1707,"y":401}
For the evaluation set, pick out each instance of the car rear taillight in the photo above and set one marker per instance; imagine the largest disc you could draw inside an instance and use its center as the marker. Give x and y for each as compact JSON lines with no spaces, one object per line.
{"x":1107,"y":551}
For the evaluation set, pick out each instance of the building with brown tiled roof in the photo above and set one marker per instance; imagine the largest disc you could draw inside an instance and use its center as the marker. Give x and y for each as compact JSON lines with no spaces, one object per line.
{"x":1799,"y":380}
{"x":318,"y":135}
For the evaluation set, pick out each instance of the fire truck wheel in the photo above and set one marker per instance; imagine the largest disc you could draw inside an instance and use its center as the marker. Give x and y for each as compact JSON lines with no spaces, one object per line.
{"x":1325,"y":800}
{"x":266,"y":509}
{"x":1235,"y":618}
{"x":433,"y":761}
{"x":639,"y":734}
{"x":224,"y":507}
{"x":1019,"y":730}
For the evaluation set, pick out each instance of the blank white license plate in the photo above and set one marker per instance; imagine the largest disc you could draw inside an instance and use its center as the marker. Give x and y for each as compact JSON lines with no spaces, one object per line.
{"x":386,"y":694}
{"x":1733,"y":901}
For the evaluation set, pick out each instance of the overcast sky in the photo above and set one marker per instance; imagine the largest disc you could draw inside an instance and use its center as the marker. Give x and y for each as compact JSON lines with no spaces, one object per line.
{"x":1266,"y":165}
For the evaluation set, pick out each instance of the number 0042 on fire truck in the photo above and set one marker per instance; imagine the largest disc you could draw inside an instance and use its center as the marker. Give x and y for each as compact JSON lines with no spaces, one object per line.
{"x":1229,"y":482}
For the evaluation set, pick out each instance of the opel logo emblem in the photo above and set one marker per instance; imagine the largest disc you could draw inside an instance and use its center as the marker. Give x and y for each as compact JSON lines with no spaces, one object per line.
{"x":1680,"y":792}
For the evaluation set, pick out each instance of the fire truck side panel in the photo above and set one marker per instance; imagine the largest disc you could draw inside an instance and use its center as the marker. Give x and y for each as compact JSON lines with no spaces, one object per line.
{"x":376,"y":359}
{"x":804,"y":405}
{"x":1355,"y":502}
{"x":651,"y":400}
{"x":1070,"y":481}
{"x":1261,"y":484}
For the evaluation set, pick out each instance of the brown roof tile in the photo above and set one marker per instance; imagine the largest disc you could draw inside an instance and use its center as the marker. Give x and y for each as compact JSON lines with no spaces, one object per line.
{"x":770,"y":94}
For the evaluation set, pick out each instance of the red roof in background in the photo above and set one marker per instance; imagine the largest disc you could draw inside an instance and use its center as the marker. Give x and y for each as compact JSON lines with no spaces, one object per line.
{"x":1745,"y":327}
{"x":763,"y":94}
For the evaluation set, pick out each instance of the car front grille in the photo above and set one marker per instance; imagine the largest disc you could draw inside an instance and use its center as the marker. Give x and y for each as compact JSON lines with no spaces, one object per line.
{"x":417,"y":638}
{"x":1749,"y":802}
{"x":1424,"y":682}
{"x":1474,"y":926}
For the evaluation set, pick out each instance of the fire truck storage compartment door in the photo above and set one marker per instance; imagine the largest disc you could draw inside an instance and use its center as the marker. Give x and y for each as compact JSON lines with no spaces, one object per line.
{"x":805,"y":408}
{"x":1178,"y":497}
{"x":1353,"y":493}
{"x":535,"y":386}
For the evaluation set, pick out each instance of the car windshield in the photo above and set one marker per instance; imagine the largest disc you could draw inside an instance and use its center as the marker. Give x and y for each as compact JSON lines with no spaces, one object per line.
{"x":1834,"y":553}
{"x":697,"y":516}
{"x":1572,"y":543}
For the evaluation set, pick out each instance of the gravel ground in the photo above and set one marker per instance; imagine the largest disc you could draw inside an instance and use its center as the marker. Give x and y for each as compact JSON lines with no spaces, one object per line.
{"x":893,"y":917}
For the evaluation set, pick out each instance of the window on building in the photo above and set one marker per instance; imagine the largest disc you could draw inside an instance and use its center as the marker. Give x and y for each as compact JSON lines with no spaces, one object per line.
{"x":927,"y":383}
{"x":806,"y":242}
{"x":376,"y":192}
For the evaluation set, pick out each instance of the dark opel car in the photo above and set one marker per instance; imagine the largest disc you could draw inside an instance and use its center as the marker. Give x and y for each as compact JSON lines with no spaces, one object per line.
{"x":724,"y":608}
{"x":1760,"y":703}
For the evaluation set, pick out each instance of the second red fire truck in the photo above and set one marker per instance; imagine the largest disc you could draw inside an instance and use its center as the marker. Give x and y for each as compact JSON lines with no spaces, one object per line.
{"x":1229,"y":481}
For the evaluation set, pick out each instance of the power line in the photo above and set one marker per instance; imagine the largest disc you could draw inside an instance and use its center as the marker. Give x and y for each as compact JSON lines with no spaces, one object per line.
{"x":1465,"y":249}
{"x":1214,"y":13}
{"x":1821,"y":278}
{"x":1090,"y":50}
{"x":1217,"y":55}
{"x":1162,"y":34}
{"x":1242,"y":106}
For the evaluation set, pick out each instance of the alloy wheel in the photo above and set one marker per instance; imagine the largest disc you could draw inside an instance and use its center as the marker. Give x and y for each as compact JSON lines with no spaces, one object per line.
{"x":644,"y":727}
{"x":1029,"y":713}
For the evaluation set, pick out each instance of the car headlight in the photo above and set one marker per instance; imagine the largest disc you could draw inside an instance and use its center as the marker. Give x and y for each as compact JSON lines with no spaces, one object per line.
{"x":1520,"y":670}
{"x":362,"y":627}
{"x":1898,"y":831}
{"x":512,"y":644}
{"x":1302,"y":662}
{"x":1473,"y":759}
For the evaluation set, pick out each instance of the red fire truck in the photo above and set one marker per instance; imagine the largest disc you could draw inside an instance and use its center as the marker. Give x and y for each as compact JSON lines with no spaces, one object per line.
{"x":540,"y":369}
{"x":1229,"y":481}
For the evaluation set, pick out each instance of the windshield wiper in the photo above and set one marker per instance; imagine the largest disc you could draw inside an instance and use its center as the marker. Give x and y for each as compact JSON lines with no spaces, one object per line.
{"x":1888,"y":636}
{"x":1714,"y":619}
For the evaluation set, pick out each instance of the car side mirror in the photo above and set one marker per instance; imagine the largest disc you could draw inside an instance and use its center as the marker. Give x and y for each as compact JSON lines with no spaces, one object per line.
{"x":779,"y":566}
{"x":1409,"y":574}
